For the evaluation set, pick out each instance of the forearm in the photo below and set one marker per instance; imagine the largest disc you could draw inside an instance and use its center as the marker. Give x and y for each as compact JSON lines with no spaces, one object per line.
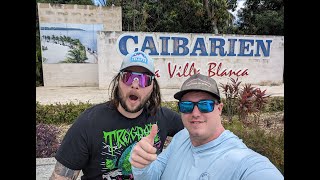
{"x":61,"y":172}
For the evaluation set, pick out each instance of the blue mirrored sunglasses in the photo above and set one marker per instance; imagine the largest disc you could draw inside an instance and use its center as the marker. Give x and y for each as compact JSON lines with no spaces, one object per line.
{"x":204,"y":106}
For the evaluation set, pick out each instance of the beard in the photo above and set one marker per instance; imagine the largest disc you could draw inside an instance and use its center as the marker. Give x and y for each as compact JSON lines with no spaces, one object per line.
{"x":138,"y":108}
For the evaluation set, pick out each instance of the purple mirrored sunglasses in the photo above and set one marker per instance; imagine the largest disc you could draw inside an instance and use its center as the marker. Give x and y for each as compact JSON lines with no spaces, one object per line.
{"x":144,"y":79}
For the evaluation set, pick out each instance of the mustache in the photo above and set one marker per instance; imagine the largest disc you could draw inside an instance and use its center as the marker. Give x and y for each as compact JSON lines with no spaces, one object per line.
{"x":133,"y":92}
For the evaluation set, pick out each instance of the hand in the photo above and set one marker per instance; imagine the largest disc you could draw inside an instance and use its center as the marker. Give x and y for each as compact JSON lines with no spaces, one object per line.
{"x":143,"y":152}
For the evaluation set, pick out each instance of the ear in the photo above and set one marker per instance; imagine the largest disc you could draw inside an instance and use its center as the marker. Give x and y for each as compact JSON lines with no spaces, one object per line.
{"x":220,"y":107}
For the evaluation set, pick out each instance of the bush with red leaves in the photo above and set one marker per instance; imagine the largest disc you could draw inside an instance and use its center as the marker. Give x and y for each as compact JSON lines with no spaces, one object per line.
{"x":46,"y":140}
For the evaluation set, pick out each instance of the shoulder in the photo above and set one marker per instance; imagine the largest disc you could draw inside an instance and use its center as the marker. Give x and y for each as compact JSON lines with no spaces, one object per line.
{"x":166,"y":112}
{"x":167,"y":115}
{"x":180,"y":141}
{"x":251,"y":157}
{"x":182,"y":136}
{"x":99,"y":108}
{"x":253,"y":165}
{"x":254,"y":159}
{"x":91,"y":113}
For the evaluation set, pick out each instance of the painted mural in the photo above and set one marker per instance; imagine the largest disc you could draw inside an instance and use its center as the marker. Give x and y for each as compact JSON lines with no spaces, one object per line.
{"x":69,"y":43}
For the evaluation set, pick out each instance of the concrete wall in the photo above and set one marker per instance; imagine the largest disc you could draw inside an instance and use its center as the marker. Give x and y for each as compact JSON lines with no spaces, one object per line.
{"x":172,"y":70}
{"x":111,"y":17}
{"x":71,"y":74}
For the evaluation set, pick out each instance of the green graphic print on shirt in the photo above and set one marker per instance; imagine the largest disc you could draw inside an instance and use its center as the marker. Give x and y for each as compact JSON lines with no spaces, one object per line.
{"x":116,"y":148}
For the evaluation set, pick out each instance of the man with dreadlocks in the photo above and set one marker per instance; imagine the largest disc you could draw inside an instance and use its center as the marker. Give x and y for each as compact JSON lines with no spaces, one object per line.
{"x":100,"y":141}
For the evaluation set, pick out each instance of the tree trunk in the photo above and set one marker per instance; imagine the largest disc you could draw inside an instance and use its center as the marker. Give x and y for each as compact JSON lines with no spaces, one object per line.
{"x":210,"y":13}
{"x":134,"y":16}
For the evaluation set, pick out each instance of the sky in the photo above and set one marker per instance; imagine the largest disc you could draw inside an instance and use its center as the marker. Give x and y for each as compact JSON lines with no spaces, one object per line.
{"x":99,"y":2}
{"x":240,"y":5}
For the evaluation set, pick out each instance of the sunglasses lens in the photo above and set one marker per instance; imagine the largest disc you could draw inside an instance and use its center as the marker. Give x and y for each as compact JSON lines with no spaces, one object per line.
{"x":126,"y":77}
{"x":185,"y":106}
{"x":147,"y":80}
{"x":144,"y":79}
{"x":206,"y":106}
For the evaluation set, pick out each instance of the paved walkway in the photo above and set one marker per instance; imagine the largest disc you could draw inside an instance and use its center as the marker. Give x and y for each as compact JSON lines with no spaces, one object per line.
{"x":45,"y":168}
{"x":52,"y":95}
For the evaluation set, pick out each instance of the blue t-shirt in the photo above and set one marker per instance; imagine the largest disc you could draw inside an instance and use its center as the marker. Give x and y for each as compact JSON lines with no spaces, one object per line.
{"x":225,"y":158}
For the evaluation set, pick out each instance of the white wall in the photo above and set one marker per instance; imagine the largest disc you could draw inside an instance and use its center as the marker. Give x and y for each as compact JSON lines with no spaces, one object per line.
{"x":70,"y":74}
{"x":253,"y":69}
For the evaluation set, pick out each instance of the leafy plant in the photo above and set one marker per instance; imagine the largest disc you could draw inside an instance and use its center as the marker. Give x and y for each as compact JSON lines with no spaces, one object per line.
{"x":246,"y":102}
{"x":251,"y":101}
{"x":259,"y":103}
{"x":231,"y":92}
{"x":46,"y":140}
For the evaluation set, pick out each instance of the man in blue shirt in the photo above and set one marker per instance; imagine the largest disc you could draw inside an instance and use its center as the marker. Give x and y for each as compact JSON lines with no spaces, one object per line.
{"x":204,"y":149}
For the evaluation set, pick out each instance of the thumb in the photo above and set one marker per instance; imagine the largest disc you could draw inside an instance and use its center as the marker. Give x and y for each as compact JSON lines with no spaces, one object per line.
{"x":153,"y":133}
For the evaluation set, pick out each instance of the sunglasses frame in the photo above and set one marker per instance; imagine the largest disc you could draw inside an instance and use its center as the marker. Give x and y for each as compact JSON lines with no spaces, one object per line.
{"x":197,"y":104}
{"x":140,"y":75}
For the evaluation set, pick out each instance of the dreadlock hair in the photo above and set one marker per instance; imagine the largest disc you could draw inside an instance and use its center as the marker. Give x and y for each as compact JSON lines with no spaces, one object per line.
{"x":152,"y":104}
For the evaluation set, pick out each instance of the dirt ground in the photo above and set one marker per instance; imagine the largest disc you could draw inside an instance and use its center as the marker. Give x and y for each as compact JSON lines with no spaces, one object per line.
{"x":272,"y":122}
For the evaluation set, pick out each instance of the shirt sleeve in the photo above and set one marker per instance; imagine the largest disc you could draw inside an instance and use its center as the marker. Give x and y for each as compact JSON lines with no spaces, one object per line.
{"x":155,"y":169}
{"x":265,"y":174}
{"x":73,"y":151}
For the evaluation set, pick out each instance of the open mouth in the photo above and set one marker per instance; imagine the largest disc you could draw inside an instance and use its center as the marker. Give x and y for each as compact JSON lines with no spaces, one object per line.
{"x":133,"y":97}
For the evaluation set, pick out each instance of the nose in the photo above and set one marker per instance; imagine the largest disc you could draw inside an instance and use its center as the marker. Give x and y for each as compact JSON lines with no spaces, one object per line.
{"x":196,"y":112}
{"x":135,"y":83}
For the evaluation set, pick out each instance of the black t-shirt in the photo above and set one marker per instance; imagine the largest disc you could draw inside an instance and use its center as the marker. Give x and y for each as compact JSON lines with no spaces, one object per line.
{"x":100,"y":140}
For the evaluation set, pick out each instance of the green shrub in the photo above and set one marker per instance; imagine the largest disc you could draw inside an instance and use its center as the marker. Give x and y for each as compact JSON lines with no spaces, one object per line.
{"x":270,"y":145}
{"x":275,"y":104}
{"x":67,"y":113}
{"x":171,"y":105}
{"x":59,"y":113}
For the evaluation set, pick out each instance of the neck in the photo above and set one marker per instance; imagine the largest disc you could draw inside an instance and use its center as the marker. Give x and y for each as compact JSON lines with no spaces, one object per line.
{"x":199,"y":141}
{"x":128,"y":114}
